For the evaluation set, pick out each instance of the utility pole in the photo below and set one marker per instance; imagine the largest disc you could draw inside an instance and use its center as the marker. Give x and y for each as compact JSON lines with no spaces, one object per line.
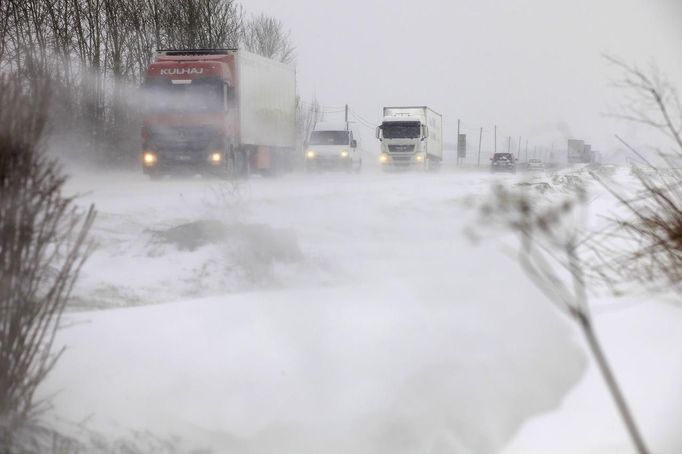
{"x":495,"y":138}
{"x":346,"y":116}
{"x":526,"y":152}
{"x":458,"y":162}
{"x":518,"y":149}
{"x":508,"y":144}
{"x":480,"y":137}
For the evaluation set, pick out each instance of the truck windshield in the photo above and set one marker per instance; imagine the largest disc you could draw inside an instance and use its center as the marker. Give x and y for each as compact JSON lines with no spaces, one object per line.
{"x":161,"y":95}
{"x":400,"y":130}
{"x":329,"y":138}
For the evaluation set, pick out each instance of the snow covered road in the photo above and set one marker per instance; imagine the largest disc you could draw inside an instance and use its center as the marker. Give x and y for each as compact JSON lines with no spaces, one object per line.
{"x":332,"y":313}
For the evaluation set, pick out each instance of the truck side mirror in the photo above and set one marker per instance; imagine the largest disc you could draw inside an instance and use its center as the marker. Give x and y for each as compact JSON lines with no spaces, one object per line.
{"x":378,"y":132}
{"x":353,"y":143}
{"x":425,"y":132}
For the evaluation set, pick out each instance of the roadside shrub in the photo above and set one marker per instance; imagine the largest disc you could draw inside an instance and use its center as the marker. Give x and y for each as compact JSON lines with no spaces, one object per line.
{"x":43,"y":243}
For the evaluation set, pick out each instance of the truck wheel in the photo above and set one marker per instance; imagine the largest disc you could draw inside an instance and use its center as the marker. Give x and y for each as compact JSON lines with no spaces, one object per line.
{"x":241,"y":164}
{"x":230,"y":171}
{"x":246,"y":169}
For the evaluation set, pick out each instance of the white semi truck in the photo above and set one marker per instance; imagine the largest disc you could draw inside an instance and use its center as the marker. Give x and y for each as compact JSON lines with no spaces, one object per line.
{"x":411,"y":137}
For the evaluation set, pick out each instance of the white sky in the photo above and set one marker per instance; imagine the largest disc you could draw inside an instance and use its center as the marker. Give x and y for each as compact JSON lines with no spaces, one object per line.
{"x":533,"y":67}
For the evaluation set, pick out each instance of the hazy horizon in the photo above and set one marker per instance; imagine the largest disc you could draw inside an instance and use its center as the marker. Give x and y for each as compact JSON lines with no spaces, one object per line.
{"x":534,"y":68}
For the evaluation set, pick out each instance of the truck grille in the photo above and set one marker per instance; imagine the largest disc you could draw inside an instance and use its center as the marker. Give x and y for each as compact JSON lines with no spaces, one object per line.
{"x":183,"y":144}
{"x":401,"y":148}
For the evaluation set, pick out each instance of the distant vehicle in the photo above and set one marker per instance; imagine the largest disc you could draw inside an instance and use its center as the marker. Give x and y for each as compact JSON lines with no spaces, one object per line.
{"x":535,"y":165}
{"x":580,"y":152}
{"x":575,"y":151}
{"x":411,"y":137}
{"x":224,"y":112}
{"x":333,"y":146}
{"x":503,"y":162}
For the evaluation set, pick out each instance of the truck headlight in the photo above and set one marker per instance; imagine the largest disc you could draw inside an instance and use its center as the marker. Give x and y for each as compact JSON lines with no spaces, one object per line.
{"x":215,"y":158}
{"x":383,"y":158}
{"x":310,"y":154}
{"x":344,"y":153}
{"x":149,"y":158}
{"x":420,"y":158}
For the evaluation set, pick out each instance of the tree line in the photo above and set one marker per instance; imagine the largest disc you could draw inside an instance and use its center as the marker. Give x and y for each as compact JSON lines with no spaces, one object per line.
{"x":95,"y":52}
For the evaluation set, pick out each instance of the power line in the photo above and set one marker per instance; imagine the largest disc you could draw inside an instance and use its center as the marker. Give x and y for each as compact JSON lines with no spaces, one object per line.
{"x":371,"y":128}
{"x":363,"y":120}
{"x":362,"y":123}
{"x":302,"y":101}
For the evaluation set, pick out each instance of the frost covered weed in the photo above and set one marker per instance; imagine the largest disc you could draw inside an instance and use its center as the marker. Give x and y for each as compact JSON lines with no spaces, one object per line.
{"x":531,"y":212}
{"x":228,"y":199}
{"x":550,"y":235}
{"x":645,"y":246}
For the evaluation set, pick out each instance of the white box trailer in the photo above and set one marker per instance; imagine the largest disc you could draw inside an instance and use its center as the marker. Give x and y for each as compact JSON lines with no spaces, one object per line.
{"x":411,"y":136}
{"x":266,"y":97}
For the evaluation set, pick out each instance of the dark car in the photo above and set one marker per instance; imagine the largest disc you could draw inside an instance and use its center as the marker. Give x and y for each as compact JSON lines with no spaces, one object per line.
{"x":503,"y":162}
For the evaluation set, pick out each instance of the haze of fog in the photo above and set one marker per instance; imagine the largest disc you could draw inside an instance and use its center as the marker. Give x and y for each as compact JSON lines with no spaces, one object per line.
{"x":344,"y":312}
{"x":533,"y":67}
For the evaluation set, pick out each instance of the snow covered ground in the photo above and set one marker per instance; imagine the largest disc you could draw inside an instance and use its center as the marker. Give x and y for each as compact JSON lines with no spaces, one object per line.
{"x":339,"y":313}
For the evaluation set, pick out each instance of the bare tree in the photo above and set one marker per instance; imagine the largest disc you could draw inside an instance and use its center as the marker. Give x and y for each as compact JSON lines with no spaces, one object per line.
{"x":97,"y":49}
{"x":648,"y":243}
{"x":42,"y":247}
{"x":265,"y":35}
{"x":201,"y":24}
{"x":5,"y":25}
{"x":307,"y":116}
{"x":651,"y":100}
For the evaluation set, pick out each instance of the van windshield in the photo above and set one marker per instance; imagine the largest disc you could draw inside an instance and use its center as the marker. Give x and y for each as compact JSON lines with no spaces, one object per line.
{"x":401,"y":130}
{"x":329,"y":138}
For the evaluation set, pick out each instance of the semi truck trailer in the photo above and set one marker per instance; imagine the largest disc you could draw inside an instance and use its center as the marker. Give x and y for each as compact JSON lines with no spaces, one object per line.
{"x":224,"y":112}
{"x":411,"y":137}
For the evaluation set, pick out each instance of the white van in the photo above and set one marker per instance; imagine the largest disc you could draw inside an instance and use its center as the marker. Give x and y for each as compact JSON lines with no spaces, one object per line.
{"x":333,"y":146}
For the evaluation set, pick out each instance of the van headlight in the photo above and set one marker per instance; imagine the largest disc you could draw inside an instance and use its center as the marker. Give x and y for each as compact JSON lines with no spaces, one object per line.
{"x":344,"y":153}
{"x":149,"y":158}
{"x":215,"y":157}
{"x":310,"y":154}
